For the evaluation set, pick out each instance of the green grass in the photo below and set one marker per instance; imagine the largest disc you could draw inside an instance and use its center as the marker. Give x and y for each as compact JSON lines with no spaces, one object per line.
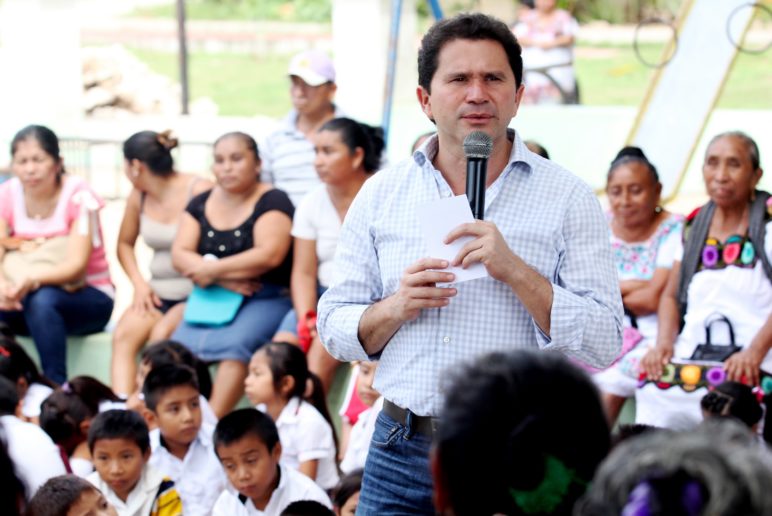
{"x":244,"y":10}
{"x":243,"y":85}
{"x":612,"y":75}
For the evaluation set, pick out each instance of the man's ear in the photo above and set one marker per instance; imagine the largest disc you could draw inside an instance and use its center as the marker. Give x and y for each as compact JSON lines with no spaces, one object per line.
{"x":440,"y":496}
{"x":424,"y":99}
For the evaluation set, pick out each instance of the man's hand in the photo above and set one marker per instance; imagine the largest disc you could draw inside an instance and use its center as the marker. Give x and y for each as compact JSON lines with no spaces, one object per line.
{"x":655,"y":360}
{"x":488,"y":248}
{"x":744,"y":366}
{"x":418,"y":289}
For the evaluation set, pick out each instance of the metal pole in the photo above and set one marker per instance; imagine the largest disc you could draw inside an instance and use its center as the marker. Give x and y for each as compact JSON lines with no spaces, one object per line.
{"x":183,"y":54}
{"x":391,"y":70}
{"x":436,"y":9}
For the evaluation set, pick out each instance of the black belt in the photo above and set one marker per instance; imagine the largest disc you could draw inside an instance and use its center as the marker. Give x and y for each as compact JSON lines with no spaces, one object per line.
{"x":424,"y":425}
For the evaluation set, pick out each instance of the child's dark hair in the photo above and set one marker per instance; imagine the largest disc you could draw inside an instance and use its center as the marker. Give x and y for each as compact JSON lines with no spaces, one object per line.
{"x":16,"y":364}
{"x":713,"y":469}
{"x":63,"y":412}
{"x":502,"y":442}
{"x":160,"y":379}
{"x":358,"y":135}
{"x":119,"y":424}
{"x":14,"y":492}
{"x":286,"y":359}
{"x":632,"y":154}
{"x":242,"y":422}
{"x":172,"y":352}
{"x":733,"y":399}
{"x":153,"y":149}
{"x":9,"y":397}
{"x":58,"y":495}
{"x":348,"y":486}
{"x":307,"y":508}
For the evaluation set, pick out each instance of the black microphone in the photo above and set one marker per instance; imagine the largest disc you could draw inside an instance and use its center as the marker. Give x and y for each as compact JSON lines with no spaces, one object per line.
{"x":477,"y":149}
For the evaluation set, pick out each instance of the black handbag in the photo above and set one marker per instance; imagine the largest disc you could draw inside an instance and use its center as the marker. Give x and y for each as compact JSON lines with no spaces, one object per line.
{"x":710,"y":352}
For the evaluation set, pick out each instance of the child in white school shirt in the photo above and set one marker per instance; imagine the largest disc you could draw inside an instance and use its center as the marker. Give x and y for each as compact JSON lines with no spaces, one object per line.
{"x":362,"y":432}
{"x":181,"y":444}
{"x":278,"y":382}
{"x":120,"y":447}
{"x":247,"y":443}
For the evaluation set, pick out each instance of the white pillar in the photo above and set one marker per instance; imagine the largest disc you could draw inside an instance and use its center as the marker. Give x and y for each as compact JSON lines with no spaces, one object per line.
{"x":40,"y":59}
{"x":360,"y":31}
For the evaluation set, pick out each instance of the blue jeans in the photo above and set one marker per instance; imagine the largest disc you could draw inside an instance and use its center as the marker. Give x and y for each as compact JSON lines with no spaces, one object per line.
{"x":397,"y":477}
{"x":52,"y":313}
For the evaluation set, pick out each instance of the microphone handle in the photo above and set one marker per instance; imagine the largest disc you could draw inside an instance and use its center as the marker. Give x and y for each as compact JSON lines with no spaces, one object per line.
{"x":476,"y":177}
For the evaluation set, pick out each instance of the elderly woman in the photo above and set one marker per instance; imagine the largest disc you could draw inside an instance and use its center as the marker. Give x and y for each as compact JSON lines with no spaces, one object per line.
{"x":723,"y":279}
{"x":644,"y":240}
{"x":57,"y":281}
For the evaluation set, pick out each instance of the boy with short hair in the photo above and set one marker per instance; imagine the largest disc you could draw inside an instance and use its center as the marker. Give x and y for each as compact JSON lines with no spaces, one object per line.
{"x":246,"y":442}
{"x":119,"y":443}
{"x":181,"y":444}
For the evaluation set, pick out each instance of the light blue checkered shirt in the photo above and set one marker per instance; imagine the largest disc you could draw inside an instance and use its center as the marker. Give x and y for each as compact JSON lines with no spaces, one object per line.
{"x":549,"y":218}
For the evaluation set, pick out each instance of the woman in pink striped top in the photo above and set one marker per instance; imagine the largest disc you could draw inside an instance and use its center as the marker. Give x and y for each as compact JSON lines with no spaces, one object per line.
{"x":41,"y":202}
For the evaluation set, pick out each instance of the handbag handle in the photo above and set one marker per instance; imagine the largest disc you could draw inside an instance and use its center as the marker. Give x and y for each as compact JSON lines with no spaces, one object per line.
{"x":718,"y":318}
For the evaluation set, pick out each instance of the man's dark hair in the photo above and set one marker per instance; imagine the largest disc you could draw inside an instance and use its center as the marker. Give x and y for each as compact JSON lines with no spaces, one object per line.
{"x":165,"y":377}
{"x":9,"y":397}
{"x":240,"y":423}
{"x":119,"y":424}
{"x":473,"y":26}
{"x":57,"y":495}
{"x":306,"y":508}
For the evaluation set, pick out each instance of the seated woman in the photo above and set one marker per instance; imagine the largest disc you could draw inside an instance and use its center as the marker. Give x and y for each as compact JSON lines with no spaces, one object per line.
{"x":153,"y":210}
{"x":547,"y":36}
{"x":57,"y":215}
{"x":502,"y":445}
{"x":723,"y":275}
{"x":235,"y":236}
{"x":347,"y":154}
{"x":644,"y":240}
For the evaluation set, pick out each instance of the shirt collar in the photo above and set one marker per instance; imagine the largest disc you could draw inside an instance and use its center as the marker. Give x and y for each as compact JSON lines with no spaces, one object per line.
{"x":289,"y":414}
{"x":519,"y":153}
{"x":203,"y":438}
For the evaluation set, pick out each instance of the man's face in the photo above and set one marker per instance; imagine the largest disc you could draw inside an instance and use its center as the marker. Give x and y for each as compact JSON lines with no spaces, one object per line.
{"x":310,"y":100}
{"x":473,"y":89}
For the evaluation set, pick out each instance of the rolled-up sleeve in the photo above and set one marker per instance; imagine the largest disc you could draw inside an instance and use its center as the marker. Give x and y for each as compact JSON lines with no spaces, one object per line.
{"x":586,"y":314}
{"x":356,"y":283}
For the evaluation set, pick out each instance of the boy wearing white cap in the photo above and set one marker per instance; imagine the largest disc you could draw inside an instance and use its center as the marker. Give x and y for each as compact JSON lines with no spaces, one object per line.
{"x":287,"y":154}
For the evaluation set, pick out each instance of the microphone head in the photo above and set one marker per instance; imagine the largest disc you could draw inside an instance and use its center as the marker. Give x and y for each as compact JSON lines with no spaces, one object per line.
{"x":478,"y":144}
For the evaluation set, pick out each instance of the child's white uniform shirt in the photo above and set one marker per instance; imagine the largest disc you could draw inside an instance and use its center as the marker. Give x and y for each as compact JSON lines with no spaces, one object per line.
{"x":360,"y":437}
{"x":198,"y":478}
{"x":36,"y":394}
{"x":294,"y":486}
{"x":305,"y":435}
{"x":34,"y":455}
{"x":140,"y":500}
